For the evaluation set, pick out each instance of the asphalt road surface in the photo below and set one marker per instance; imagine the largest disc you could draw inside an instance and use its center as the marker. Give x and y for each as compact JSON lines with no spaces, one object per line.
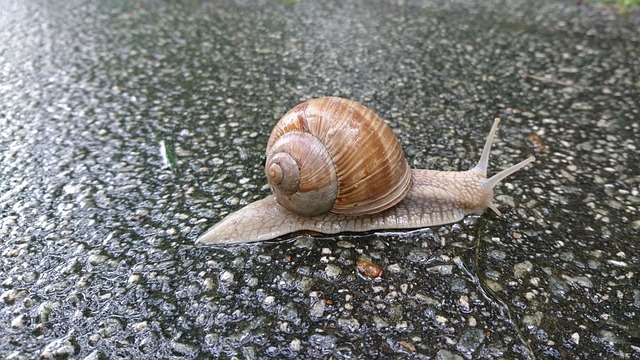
{"x":129,"y":128}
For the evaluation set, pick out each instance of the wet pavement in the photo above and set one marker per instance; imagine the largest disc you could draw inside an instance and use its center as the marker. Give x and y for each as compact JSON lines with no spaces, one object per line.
{"x":126,"y":130}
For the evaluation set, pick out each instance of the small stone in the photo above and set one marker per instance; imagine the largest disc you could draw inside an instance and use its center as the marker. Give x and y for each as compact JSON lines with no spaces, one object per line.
{"x":617,"y":263}
{"x":325,"y":342}
{"x":10,"y":296}
{"x":609,"y":337}
{"x":447,"y":355}
{"x":575,"y":337}
{"x":59,"y":348}
{"x":111,"y":327}
{"x":249,"y":352}
{"x":140,"y":326}
{"x":317,"y":308}
{"x":470,"y":341}
{"x":332,"y":271}
{"x":463,"y":302}
{"x":407,"y":346}
{"x":498,"y":255}
{"x":209,"y":284}
{"x":253,"y":281}
{"x":95,"y":355}
{"x":211,"y":339}
{"x":520,"y":269}
{"x":182,"y":349}
{"x":350,"y":324}
{"x":317,"y":305}
{"x":368,"y":269}
{"x":44,"y":310}
{"x":226,"y":277}
{"x":19,"y":322}
{"x":295,"y":345}
{"x":380,"y":322}
{"x":494,"y":285}
{"x":269,"y":300}
{"x":96,"y":259}
{"x":345,"y":244}
{"x":425,"y":299}
{"x":441,"y":269}
{"x":394,"y":268}
{"x":472,"y":321}
{"x":533,"y":320}
{"x":579,"y":280}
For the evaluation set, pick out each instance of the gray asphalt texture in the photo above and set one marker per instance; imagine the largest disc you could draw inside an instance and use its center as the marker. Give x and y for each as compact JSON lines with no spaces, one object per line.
{"x":128,"y":128}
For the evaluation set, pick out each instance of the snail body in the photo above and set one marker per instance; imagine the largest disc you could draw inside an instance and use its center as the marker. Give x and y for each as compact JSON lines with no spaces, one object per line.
{"x":375,"y":191}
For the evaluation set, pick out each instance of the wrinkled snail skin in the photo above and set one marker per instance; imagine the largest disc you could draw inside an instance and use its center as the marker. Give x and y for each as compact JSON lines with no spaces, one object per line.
{"x":435,"y":198}
{"x":427,"y":204}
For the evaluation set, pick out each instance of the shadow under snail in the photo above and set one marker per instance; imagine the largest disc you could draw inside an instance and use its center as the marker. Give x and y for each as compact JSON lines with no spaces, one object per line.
{"x":335,"y":166}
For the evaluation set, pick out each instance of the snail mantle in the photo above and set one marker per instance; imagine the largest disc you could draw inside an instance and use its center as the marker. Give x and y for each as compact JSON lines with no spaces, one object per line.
{"x":335,"y":166}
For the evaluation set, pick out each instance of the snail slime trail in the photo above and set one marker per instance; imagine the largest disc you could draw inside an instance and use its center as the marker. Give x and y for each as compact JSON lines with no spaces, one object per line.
{"x":320,"y":159}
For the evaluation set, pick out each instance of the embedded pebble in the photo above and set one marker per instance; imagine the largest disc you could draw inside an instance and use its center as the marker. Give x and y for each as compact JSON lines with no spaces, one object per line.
{"x":295,"y":345}
{"x":520,"y":269}
{"x":317,"y":307}
{"x":394,"y":268}
{"x":447,"y":355}
{"x":379,"y":322}
{"x":579,"y":280}
{"x":269,"y":300}
{"x":441,"y":269}
{"x":463,"y":302}
{"x":226,"y":277}
{"x":44,"y":310}
{"x":63,"y":347}
{"x":332,"y":271}
{"x":325,"y":342}
{"x":368,"y":269}
{"x":140,"y":326}
{"x":575,"y":338}
{"x":351,"y":324}
{"x":134,"y":278}
{"x":19,"y":322}
{"x":497,"y":255}
{"x":617,"y":263}
{"x":96,"y":259}
{"x":534,"y":319}
{"x":470,"y":341}
{"x":182,"y":349}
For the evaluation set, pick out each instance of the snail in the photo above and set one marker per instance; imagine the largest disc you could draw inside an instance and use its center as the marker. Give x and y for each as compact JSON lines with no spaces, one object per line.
{"x":335,"y":166}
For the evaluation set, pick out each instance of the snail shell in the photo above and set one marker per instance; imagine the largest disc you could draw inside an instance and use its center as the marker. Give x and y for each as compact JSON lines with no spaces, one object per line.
{"x":333,"y":154}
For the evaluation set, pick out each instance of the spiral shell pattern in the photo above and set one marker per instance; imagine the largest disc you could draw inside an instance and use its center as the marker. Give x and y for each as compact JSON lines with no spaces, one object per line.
{"x":334,"y":154}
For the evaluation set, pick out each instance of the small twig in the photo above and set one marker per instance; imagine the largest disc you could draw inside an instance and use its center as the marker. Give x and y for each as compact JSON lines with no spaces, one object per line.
{"x":545,"y":79}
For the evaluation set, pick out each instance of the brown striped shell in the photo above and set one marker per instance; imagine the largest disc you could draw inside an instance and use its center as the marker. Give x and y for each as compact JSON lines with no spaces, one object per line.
{"x":334,"y":154}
